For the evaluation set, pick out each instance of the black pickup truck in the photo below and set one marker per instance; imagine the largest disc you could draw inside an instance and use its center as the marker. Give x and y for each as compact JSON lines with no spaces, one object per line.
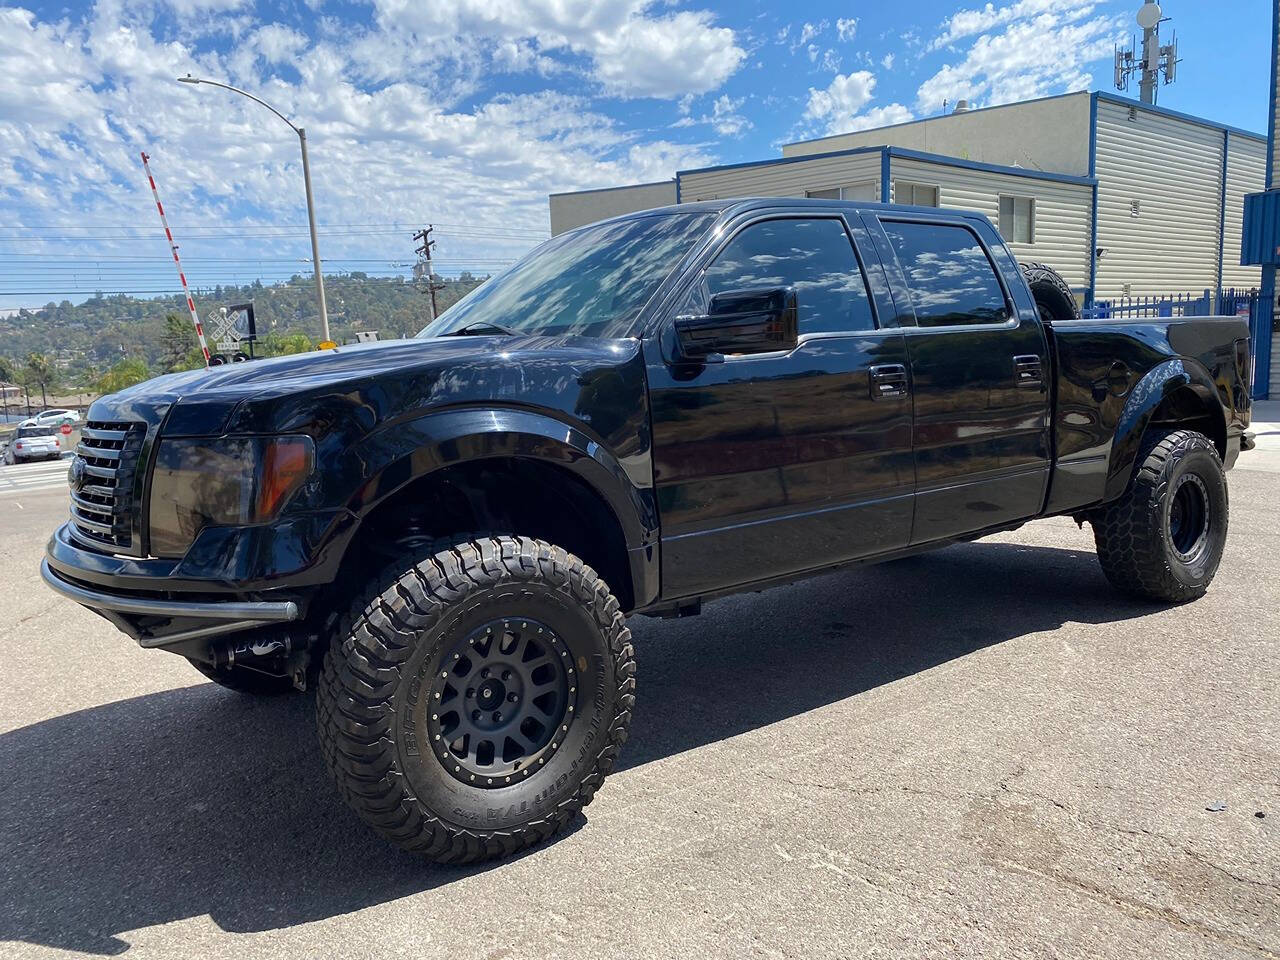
{"x":446,"y":534}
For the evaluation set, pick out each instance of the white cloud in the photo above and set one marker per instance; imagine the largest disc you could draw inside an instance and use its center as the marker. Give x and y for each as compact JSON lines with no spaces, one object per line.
{"x":847,"y":28}
{"x":632,"y":53}
{"x":887,"y":61}
{"x":80,"y":99}
{"x":725,"y":118}
{"x":1046,"y":54}
{"x":968,"y":23}
{"x":839,"y":108}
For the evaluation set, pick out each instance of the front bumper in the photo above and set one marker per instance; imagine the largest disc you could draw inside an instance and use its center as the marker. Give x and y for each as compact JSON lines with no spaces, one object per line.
{"x":250,"y":578}
{"x":155,"y":622}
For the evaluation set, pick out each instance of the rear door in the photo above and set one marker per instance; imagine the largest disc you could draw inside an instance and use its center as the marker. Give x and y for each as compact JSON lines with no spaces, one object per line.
{"x":776,"y":463}
{"x":979,"y":371}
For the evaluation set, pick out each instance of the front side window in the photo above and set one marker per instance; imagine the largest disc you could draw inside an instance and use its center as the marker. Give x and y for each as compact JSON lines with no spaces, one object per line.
{"x":950,"y":275}
{"x":813,"y":255}
{"x":590,"y":282}
{"x":1018,"y":219}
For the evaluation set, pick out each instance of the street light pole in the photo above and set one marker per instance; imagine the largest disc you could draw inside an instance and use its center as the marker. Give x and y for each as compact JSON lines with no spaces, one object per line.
{"x":306,"y":178}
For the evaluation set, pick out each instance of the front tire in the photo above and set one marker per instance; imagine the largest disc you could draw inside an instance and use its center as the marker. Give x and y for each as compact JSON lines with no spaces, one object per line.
{"x":1163,"y":539}
{"x":476,"y":703}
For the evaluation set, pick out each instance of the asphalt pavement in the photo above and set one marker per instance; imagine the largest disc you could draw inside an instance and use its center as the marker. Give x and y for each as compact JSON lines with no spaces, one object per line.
{"x":981,"y":752}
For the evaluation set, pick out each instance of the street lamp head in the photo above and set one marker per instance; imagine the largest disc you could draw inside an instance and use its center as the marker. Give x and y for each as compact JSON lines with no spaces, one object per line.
{"x":188,"y":79}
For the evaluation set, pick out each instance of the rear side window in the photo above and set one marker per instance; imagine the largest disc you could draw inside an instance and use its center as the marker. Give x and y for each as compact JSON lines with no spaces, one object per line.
{"x":813,"y":255}
{"x":951,"y":277}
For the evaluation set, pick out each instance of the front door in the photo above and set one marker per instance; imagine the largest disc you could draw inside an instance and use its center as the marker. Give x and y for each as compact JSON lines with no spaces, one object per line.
{"x":777,"y":463}
{"x":979,"y":372}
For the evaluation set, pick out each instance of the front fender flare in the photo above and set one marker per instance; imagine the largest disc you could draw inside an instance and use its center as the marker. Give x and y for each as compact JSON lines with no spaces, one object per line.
{"x":1144,"y":399}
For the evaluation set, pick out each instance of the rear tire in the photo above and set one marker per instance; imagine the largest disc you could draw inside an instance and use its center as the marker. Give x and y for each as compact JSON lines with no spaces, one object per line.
{"x":249,"y":682}
{"x":473,"y":703}
{"x":1163,"y":539}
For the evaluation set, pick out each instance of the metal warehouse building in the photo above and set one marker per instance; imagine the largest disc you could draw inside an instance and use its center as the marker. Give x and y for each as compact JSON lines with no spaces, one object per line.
{"x":1123,"y":198}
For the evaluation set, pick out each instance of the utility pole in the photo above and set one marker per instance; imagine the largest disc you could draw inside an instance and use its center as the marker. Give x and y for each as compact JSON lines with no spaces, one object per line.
{"x":423,"y":266}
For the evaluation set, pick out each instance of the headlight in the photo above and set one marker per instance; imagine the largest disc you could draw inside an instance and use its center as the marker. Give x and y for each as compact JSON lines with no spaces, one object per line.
{"x":226,"y":482}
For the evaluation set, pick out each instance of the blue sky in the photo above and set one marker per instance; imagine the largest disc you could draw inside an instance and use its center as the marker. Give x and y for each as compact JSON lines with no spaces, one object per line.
{"x":467,"y":113}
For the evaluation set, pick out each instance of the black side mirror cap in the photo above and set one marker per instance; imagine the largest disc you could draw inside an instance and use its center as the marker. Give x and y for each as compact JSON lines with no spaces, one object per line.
{"x":761,"y":320}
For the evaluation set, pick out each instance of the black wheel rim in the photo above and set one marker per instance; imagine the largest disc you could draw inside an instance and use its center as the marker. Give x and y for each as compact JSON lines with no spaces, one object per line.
{"x":1189,"y":517}
{"x":502,"y":702}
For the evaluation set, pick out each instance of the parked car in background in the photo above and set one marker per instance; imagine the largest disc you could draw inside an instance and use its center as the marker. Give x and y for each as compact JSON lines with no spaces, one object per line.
{"x":55,"y":417}
{"x":35,"y":442}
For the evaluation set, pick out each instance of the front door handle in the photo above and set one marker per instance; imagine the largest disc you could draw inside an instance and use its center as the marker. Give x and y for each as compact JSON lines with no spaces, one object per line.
{"x":1028,"y":371}
{"x":888,"y":380}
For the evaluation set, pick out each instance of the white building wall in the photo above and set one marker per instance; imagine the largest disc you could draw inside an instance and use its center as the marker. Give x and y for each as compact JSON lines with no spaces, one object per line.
{"x":1246,"y":173}
{"x":1172,"y":170}
{"x":570,"y":210}
{"x":1049,"y":135}
{"x":1061,"y":218}
{"x":781,"y":178}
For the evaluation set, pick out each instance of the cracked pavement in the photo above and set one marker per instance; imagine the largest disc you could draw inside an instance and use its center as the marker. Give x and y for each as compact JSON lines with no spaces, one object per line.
{"x":982,"y":752}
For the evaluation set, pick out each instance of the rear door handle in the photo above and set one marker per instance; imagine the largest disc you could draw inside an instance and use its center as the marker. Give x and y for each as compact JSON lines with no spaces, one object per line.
{"x":888,"y":380}
{"x":1028,"y":371}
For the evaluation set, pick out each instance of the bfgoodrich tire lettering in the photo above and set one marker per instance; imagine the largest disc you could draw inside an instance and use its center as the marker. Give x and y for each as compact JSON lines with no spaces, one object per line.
{"x":1163,"y":538}
{"x":377,"y":694}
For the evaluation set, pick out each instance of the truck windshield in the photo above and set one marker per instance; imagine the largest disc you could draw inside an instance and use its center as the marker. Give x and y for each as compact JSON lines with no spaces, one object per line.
{"x":591,"y":282}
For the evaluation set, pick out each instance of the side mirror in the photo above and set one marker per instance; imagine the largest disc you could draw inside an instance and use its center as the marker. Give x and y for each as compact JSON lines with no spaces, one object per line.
{"x":741,"y":321}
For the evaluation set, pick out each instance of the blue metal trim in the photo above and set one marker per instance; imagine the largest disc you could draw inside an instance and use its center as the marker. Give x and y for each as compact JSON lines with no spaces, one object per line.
{"x":1263,"y":334}
{"x":886,"y":172}
{"x":854,"y":151}
{"x":1222,"y":213}
{"x":1093,"y":214}
{"x":1177,"y":115}
{"x":946,"y":161}
{"x":906,"y":154}
{"x":1271,"y":119}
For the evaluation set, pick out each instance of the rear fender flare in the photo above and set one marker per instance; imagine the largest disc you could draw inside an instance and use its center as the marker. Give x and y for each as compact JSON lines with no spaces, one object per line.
{"x":1144,"y":399}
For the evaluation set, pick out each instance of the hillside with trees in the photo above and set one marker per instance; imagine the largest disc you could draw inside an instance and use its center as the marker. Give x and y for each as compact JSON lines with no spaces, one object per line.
{"x":109,"y":342}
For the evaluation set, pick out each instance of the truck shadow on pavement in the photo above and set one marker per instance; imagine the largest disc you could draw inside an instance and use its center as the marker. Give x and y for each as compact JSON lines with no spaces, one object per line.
{"x":196,"y":801}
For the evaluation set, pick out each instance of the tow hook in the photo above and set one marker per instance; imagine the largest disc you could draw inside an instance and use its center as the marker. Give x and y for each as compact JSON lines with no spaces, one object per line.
{"x":1248,"y":441}
{"x":255,"y":652}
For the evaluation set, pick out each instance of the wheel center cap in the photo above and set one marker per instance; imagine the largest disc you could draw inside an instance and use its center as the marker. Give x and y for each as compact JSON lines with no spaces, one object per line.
{"x":490,"y":694}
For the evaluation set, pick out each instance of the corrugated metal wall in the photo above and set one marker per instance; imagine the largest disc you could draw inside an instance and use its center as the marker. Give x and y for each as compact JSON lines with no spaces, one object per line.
{"x":1062,"y":210}
{"x":780,"y":179}
{"x":1159,"y":193}
{"x":1246,"y":173}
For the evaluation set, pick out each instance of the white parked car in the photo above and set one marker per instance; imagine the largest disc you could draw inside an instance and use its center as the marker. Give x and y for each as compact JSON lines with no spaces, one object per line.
{"x":56,"y":417}
{"x":36,"y":443}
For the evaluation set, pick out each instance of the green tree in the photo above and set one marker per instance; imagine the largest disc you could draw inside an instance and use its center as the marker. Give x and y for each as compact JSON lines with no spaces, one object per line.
{"x":125,"y":373}
{"x":40,"y":369}
{"x":179,"y":339}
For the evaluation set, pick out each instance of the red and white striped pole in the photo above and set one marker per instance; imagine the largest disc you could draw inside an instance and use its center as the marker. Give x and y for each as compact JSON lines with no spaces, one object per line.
{"x":173,"y":247}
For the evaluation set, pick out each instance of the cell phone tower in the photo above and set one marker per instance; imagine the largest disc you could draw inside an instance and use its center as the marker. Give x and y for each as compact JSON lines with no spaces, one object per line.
{"x":1155,"y":59}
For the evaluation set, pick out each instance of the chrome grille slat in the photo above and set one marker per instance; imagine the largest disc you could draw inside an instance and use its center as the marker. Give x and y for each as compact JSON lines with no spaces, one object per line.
{"x":102,"y":497}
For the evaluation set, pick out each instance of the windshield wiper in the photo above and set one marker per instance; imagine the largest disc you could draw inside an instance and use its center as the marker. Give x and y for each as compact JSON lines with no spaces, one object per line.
{"x":472,"y":329}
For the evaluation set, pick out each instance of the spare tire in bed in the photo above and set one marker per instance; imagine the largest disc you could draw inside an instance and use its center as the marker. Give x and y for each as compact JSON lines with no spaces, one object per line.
{"x":1052,"y":295}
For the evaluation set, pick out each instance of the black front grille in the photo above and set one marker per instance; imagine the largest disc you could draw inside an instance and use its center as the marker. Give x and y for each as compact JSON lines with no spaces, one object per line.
{"x":102,"y":482}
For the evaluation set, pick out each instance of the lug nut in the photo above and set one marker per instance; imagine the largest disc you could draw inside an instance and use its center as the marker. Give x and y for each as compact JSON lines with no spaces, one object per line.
{"x":475,"y":715}
{"x":485,"y":672}
{"x":497,"y":717}
{"x":471,"y":693}
{"x":506,"y":675}
{"x":511,"y":697}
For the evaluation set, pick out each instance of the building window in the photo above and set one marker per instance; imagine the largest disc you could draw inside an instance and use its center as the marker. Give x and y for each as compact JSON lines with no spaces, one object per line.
{"x":1018,"y":219}
{"x":915,"y":194}
{"x":866,"y":190}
